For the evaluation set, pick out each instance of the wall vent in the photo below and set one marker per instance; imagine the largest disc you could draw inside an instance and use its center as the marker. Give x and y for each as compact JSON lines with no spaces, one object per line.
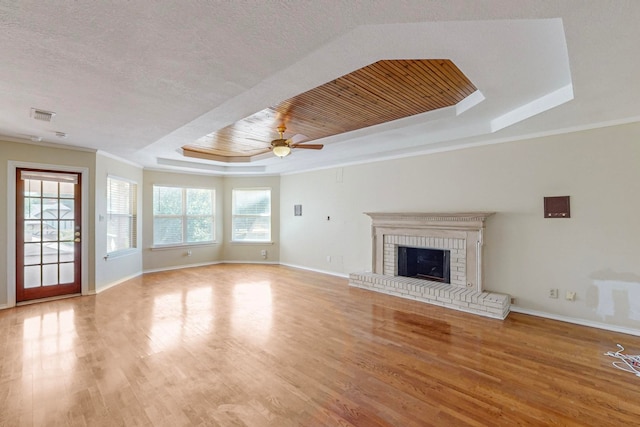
{"x":45,"y":116}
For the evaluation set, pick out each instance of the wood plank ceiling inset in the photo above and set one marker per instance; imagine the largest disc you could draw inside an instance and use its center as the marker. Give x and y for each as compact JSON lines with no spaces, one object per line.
{"x":384,"y":91}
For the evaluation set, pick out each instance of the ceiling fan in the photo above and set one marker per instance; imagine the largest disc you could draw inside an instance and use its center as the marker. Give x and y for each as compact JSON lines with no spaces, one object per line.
{"x":281,"y":147}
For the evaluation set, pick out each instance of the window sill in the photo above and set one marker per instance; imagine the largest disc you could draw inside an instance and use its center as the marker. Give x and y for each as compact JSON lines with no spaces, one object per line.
{"x":251,"y":243}
{"x":120,"y":254}
{"x":181,"y":246}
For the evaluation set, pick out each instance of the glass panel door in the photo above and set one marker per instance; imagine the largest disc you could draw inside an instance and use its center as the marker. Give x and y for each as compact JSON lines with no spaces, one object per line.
{"x":48,"y":234}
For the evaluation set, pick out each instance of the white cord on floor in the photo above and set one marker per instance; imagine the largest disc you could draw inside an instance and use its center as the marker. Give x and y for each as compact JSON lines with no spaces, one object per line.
{"x":627,"y":362}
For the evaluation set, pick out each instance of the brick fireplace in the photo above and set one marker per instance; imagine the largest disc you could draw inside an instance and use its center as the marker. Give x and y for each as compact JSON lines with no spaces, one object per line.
{"x":458,"y":233}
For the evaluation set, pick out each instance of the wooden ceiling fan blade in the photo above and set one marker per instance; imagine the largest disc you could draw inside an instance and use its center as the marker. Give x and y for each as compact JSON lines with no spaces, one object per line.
{"x":308,"y":146}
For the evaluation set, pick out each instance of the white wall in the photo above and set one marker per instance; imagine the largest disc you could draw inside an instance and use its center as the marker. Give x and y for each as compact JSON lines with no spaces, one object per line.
{"x":594,"y":253}
{"x":114,"y":269}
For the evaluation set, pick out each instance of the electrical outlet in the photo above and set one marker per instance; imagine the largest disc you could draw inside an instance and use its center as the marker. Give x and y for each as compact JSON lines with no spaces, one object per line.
{"x":513,"y":300}
{"x":328,"y":258}
{"x":571,"y":296}
{"x":553,"y":293}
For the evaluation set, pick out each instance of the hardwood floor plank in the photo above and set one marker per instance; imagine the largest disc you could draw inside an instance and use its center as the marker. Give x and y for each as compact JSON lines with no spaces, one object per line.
{"x":250,"y":345}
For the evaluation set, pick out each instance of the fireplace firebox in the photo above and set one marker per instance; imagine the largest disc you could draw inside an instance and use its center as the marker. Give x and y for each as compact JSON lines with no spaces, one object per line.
{"x":424,"y":263}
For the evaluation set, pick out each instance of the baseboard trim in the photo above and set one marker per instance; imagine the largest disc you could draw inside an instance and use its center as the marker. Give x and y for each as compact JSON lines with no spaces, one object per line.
{"x":582,"y":322}
{"x":315,"y":270}
{"x":180,"y":267}
{"x":251,"y":262}
{"x":116,"y":283}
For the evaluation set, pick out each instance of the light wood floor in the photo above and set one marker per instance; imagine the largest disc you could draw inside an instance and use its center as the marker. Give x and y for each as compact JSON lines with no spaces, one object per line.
{"x":236,"y":345}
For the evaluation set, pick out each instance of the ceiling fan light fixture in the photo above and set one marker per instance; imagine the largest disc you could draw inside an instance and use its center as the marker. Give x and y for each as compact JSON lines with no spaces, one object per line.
{"x":281,"y":146}
{"x":281,"y":150}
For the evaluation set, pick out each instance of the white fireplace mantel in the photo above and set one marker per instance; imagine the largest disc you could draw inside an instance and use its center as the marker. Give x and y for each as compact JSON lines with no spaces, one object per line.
{"x":455,"y":220}
{"x":460,"y":231}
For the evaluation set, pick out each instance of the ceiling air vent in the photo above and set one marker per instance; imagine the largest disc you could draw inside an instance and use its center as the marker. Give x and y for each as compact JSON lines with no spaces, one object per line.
{"x":45,"y":116}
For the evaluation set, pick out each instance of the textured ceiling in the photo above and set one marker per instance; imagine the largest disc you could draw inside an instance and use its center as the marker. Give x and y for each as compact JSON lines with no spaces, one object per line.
{"x":140,"y":80}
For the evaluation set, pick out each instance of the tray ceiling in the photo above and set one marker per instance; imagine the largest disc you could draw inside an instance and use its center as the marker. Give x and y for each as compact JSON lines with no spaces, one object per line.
{"x":382,"y":92}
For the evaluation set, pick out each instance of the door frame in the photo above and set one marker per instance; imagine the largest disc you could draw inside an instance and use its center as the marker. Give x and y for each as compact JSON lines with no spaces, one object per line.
{"x":11,"y":221}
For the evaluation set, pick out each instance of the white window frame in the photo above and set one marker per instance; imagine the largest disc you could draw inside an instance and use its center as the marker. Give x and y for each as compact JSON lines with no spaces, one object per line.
{"x":132,"y":213}
{"x":184,"y":217}
{"x":234,"y":238}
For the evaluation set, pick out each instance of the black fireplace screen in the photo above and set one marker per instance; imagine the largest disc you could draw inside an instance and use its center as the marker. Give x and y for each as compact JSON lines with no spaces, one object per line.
{"x":424,"y":263}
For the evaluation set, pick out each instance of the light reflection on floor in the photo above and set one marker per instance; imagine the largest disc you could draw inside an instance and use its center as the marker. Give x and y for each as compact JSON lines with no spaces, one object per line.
{"x":252,"y":311}
{"x":181,"y":316}
{"x":189,"y":315}
{"x":51,"y":334}
{"x":49,"y":355}
{"x":200,"y":312}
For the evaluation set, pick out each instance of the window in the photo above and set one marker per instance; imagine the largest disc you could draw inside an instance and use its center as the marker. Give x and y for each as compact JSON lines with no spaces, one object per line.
{"x":122,"y":221}
{"x":251,"y":215}
{"x":182,"y":215}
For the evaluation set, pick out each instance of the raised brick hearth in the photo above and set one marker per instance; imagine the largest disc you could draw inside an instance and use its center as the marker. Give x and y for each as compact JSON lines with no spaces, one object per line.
{"x":459,"y":233}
